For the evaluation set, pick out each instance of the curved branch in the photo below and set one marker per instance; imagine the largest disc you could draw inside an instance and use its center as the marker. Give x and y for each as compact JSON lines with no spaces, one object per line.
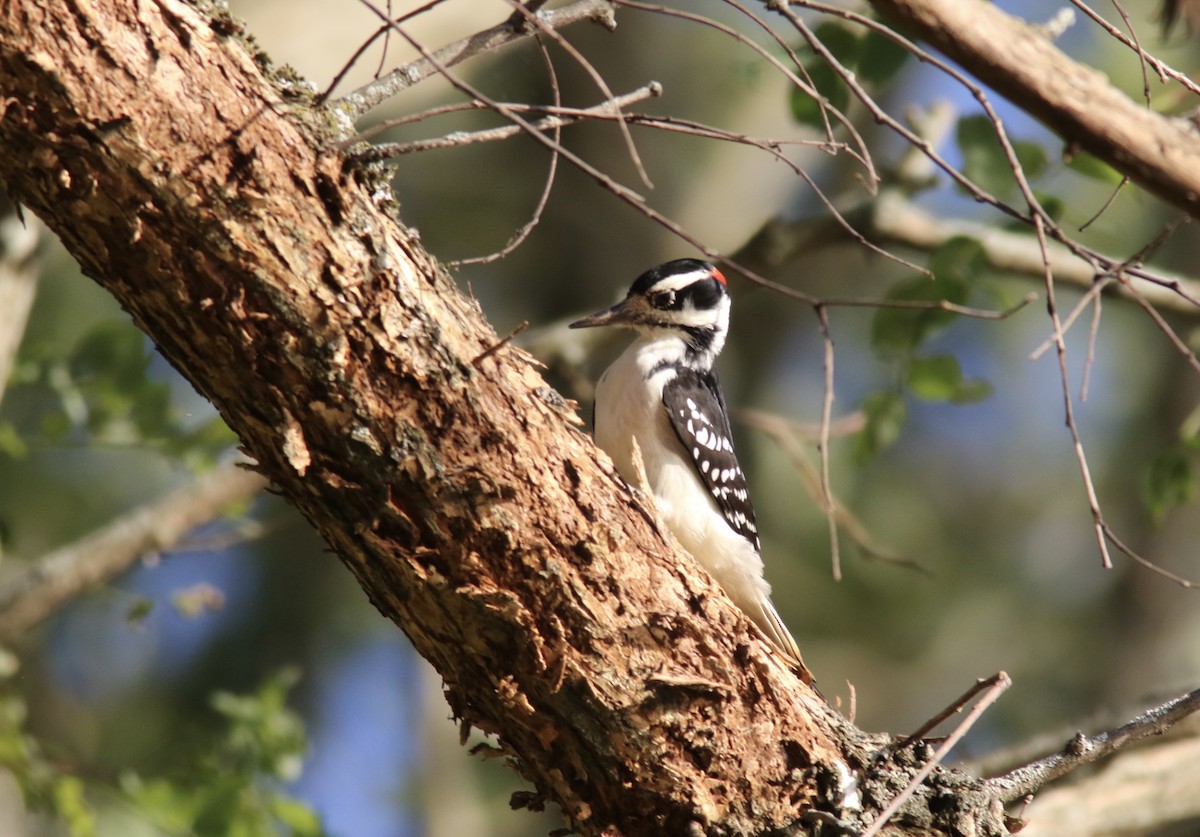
{"x":1075,"y":101}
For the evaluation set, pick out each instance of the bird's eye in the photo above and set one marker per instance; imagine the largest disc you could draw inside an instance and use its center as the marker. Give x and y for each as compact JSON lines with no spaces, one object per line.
{"x":663,"y":300}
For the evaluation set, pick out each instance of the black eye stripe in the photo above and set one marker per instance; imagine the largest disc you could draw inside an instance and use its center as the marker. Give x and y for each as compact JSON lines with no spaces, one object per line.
{"x":703,"y":295}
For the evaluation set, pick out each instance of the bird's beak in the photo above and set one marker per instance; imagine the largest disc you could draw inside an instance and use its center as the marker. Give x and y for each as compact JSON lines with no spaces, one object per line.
{"x":616,"y":315}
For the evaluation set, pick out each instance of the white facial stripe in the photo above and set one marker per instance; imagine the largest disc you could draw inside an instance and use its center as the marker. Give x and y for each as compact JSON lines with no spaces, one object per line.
{"x":680,"y":281}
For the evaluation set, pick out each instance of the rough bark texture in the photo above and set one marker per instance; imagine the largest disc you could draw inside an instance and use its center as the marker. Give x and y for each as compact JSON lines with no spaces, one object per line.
{"x":461,"y":494}
{"x":452,"y":481}
{"x":1075,"y":101}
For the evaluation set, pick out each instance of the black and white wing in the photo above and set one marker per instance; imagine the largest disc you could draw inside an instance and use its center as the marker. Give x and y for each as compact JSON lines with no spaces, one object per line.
{"x":696,"y":408}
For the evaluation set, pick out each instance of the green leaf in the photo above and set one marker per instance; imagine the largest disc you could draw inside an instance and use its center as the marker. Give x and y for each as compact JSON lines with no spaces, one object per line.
{"x":845,"y":46}
{"x":1189,"y":431}
{"x":1055,"y":206}
{"x":900,"y":330}
{"x":955,"y":265}
{"x":808,"y":111}
{"x":984,"y":160}
{"x":139,"y":611}
{"x":69,"y":803}
{"x":841,"y":41}
{"x":935,"y":378}
{"x":55,"y":426}
{"x":114,"y":351}
{"x":886,"y":414}
{"x":940,"y":378}
{"x":880,"y":59}
{"x":297,"y":816}
{"x":1085,"y":164}
{"x":11,"y":443}
{"x":972,"y":390}
{"x":173,"y":808}
{"x":1168,"y":483}
{"x":958,"y":261}
{"x":1031,"y":156}
{"x":202,"y":445}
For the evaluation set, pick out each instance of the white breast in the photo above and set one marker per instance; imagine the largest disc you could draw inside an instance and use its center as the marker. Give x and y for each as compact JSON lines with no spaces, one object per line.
{"x":628,"y":406}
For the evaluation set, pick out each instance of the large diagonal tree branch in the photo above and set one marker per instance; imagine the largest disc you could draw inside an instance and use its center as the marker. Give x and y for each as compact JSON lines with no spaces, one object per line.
{"x":451,"y":480}
{"x":1075,"y":101}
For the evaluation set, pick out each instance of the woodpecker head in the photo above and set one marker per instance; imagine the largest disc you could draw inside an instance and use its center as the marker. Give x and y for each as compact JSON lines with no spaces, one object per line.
{"x":686,"y":299}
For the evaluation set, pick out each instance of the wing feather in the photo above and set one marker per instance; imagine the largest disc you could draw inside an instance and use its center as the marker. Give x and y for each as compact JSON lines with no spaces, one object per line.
{"x":695,"y":408}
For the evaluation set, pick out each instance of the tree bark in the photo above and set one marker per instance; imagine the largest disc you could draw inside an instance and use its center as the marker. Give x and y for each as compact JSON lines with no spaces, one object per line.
{"x":453,"y":483}
{"x":198,"y":186}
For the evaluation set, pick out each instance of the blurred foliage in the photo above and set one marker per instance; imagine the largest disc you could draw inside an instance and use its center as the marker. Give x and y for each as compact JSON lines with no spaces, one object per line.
{"x":872,"y":56}
{"x":230,"y":787}
{"x":100,"y":392}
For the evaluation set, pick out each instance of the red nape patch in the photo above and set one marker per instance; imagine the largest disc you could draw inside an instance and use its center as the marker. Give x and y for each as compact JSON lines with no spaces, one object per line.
{"x":720,"y":277}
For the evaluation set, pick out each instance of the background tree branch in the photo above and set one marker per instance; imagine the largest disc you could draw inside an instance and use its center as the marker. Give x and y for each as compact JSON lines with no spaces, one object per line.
{"x":1075,"y":101}
{"x":55,"y":579}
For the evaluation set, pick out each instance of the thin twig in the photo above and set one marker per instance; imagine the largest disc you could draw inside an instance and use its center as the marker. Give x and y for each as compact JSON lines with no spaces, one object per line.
{"x":953,"y":709}
{"x":860,"y":152}
{"x":359,"y":102}
{"x":559,"y":117}
{"x":896,"y":217}
{"x":519,"y":237}
{"x":499,"y":344}
{"x":1089,"y":360}
{"x":1164,"y":71}
{"x":1178,"y":342}
{"x":535,"y":22}
{"x":932,"y":305}
{"x":1104,"y":206}
{"x":382,"y":31}
{"x":835,"y":551}
{"x":1098,"y":286}
{"x":785,"y":434}
{"x":1081,"y":457}
{"x":999,"y":685}
{"x":387,"y":42}
{"x":1100,"y":264}
{"x":1146,"y":563}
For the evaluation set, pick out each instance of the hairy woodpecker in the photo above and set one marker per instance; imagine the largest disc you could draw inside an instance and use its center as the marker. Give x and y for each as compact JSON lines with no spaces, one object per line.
{"x":664,"y":393}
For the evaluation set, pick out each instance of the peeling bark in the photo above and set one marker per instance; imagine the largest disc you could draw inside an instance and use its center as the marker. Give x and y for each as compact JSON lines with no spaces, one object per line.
{"x":448,"y":477}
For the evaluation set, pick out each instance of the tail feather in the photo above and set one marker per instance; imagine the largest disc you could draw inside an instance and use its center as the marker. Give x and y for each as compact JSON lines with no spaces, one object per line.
{"x":767,"y":618}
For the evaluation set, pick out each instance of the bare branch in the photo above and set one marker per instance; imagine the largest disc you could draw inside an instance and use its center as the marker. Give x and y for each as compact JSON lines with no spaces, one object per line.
{"x":62,"y":575}
{"x":354,"y":105}
{"x":533,"y":21}
{"x":1075,"y":101}
{"x":1068,"y":409}
{"x":560,"y":117}
{"x":859,"y":152}
{"x":900,"y":219}
{"x":1083,"y":749}
{"x":1163,"y":70}
{"x":827,"y":501}
{"x":787,"y":435}
{"x":521,"y":234}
